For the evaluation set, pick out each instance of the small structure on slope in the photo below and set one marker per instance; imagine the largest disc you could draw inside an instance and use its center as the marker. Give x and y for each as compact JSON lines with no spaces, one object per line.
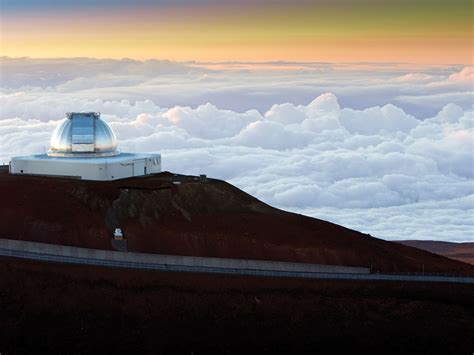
{"x":83,"y":146}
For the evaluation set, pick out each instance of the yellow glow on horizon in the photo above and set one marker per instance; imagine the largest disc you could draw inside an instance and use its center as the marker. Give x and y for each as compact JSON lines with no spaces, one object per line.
{"x":337,"y":50}
{"x":310,"y":34}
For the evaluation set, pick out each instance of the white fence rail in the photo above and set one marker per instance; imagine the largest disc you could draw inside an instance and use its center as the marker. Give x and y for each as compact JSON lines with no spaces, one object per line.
{"x":74,"y":255}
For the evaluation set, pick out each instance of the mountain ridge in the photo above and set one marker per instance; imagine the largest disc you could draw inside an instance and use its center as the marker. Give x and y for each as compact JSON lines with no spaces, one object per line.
{"x":463,"y":251}
{"x":181,"y":215}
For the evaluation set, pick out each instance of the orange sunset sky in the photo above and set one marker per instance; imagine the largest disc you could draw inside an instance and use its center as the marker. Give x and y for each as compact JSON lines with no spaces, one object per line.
{"x":417,"y":31}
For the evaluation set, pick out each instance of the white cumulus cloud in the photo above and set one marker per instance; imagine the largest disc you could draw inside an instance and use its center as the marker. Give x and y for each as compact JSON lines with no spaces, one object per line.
{"x":379,"y":168}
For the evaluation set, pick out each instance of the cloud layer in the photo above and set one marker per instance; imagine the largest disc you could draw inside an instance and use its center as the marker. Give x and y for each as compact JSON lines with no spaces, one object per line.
{"x":378,"y":169}
{"x":419,"y":90}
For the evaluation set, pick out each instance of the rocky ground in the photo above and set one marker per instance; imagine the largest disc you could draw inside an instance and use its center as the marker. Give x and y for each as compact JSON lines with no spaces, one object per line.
{"x":458,"y":251}
{"x":60,"y":308}
{"x":57,"y":308}
{"x":181,"y":215}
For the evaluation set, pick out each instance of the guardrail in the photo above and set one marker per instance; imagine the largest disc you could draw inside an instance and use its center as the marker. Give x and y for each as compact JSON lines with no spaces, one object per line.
{"x":194,"y":261}
{"x":420,"y":273}
{"x":231,"y":271}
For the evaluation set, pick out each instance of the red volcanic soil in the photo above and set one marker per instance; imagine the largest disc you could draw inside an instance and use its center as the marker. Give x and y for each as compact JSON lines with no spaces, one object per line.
{"x":459,"y":251}
{"x":77,"y":309}
{"x":210,"y":218}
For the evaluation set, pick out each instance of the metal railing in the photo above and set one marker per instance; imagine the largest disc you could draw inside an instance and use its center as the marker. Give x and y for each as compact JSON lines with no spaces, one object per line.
{"x":231,"y":271}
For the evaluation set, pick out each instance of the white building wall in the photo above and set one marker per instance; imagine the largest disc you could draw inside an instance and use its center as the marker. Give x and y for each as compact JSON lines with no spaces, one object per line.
{"x":89,"y":171}
{"x":119,"y":170}
{"x":153,"y":164}
{"x":101,"y":169}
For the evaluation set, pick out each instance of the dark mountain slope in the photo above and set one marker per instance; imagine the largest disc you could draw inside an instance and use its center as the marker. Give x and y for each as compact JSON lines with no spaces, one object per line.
{"x":172,"y":214}
{"x":81,"y":309}
{"x":459,"y":251}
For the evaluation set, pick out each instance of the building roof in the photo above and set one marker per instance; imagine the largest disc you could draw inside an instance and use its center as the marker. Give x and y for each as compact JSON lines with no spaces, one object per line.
{"x":83,"y":134}
{"x":121,"y":158}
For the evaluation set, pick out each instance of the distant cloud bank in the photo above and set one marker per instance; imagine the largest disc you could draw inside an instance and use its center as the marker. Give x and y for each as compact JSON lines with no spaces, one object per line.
{"x":399,"y":164}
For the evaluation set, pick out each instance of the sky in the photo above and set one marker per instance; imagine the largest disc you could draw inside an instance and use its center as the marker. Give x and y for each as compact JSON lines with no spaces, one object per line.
{"x":357,"y":112}
{"x":249,"y":30}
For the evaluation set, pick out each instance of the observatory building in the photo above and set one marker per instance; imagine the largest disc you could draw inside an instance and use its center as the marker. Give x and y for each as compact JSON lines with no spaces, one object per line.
{"x":83,"y":146}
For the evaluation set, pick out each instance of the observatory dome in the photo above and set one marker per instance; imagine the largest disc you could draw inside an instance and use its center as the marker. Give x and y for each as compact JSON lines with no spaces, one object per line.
{"x":83,"y":134}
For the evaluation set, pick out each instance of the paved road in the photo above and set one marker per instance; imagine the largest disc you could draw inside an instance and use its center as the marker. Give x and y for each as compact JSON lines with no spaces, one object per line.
{"x":234,"y":271}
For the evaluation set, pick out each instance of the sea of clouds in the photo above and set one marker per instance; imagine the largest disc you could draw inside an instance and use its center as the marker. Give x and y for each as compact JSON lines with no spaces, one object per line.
{"x":384,"y":149}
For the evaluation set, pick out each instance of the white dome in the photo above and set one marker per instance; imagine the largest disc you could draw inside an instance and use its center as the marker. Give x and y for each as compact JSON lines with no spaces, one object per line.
{"x":83,"y":134}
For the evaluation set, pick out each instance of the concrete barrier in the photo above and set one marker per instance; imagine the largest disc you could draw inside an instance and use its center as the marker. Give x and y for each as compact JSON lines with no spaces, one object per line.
{"x":74,"y":255}
{"x":176,"y":260}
